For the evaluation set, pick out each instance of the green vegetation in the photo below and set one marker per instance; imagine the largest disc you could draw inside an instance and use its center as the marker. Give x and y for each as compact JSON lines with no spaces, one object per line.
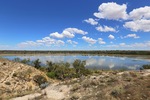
{"x":37,"y":64}
{"x":61,"y":71}
{"x":24,"y":61}
{"x":117,"y":91}
{"x":146,"y":66}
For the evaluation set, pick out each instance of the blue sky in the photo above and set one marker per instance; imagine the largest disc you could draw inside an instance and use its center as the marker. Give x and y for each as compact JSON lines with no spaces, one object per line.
{"x":74,"y":25}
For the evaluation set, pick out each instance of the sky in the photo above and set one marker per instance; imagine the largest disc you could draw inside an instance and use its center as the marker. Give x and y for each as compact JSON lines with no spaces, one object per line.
{"x":74,"y":25}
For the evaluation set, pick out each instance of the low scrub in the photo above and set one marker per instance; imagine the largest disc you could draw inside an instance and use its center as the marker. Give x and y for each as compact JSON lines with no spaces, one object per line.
{"x":146,"y":66}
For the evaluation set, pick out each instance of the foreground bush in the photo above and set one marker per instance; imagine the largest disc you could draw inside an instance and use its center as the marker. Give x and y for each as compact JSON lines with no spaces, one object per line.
{"x":60,"y":70}
{"x":146,"y":66}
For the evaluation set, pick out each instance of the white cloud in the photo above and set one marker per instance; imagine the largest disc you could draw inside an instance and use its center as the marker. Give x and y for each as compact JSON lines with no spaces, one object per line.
{"x":75,"y":30}
{"x":132,"y":36}
{"x":46,"y":41}
{"x":60,"y":42}
{"x":101,"y":41}
{"x":72,"y":42}
{"x":89,"y":40}
{"x":49,"y":41}
{"x":91,"y":21}
{"x":56,"y":35}
{"x":122,"y":44}
{"x":140,"y":19}
{"x":68,"y":33}
{"x":29,"y":43}
{"x":140,"y":13}
{"x":134,"y":46}
{"x":105,"y":29}
{"x":111,"y":11}
{"x":111,"y":37}
{"x":138,"y":25}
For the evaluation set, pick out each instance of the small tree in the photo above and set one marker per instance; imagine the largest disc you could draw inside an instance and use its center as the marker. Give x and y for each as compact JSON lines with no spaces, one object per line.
{"x":79,"y":66}
{"x":17,"y":59}
{"x":37,"y":63}
{"x":49,"y":66}
{"x":67,"y":65}
{"x":25,"y":61}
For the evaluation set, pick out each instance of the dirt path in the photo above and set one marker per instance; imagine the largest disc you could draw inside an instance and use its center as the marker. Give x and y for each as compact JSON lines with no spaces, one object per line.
{"x":52,"y":92}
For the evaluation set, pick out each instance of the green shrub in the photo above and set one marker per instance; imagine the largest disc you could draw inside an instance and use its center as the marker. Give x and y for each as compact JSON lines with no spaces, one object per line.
{"x":51,"y":74}
{"x":37,"y":63}
{"x":25,"y":61}
{"x":146,"y":66}
{"x":39,"y":79}
{"x":117,"y":91}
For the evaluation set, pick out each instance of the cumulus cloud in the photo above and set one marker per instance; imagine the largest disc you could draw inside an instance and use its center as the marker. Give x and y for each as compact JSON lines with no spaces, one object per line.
{"x":46,"y":41}
{"x":112,"y":11}
{"x":72,"y":42}
{"x":50,"y":41}
{"x":28,"y":43}
{"x":56,"y":35}
{"x":131,"y":36}
{"x":105,"y":29}
{"x":138,"y":25}
{"x":140,"y":19}
{"x":60,"y":42}
{"x":89,"y":40}
{"x":140,"y":46}
{"x":68,"y":33}
{"x":140,"y":13}
{"x":101,"y":41}
{"x":91,"y":21}
{"x":111,"y":37}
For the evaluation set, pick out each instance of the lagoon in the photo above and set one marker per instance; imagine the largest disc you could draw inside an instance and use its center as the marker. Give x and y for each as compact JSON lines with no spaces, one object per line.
{"x":92,"y":61}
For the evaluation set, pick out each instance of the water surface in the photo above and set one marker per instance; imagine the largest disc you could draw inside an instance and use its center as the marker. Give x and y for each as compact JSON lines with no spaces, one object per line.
{"x":92,"y":62}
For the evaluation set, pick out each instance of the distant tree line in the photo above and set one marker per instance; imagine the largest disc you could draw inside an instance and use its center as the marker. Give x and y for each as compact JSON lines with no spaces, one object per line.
{"x":122,"y":52}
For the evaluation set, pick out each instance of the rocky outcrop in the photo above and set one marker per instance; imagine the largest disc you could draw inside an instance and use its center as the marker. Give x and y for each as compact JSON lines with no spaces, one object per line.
{"x":17,"y":79}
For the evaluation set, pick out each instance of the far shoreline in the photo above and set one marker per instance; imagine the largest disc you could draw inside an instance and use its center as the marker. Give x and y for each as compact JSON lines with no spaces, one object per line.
{"x":141,"y":54}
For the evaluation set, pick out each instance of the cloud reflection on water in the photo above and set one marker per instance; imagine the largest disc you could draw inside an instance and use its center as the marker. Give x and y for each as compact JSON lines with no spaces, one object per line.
{"x":94,"y":62}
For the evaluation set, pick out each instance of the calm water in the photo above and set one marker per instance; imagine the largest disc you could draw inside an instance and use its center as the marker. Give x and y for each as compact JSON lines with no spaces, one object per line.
{"x":93,"y":62}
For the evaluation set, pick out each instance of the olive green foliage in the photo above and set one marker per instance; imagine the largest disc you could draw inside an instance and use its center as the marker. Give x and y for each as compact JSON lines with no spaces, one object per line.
{"x":17,"y":59}
{"x":39,"y":79}
{"x":80,"y":67}
{"x":37,"y":64}
{"x":60,"y":70}
{"x":51,"y":74}
{"x":63,"y":71}
{"x":24,"y":61}
{"x":146,"y":66}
